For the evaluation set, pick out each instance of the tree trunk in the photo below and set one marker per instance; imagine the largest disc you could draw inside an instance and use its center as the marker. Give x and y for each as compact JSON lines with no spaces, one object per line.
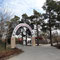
{"x":51,"y":37}
{"x":22,"y":38}
{"x":5,"y":43}
{"x":37,"y":35}
{"x":26,"y":37}
{"x":50,"y":29}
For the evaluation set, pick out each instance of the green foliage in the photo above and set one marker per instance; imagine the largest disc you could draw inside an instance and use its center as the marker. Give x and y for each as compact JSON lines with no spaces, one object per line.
{"x":36,"y":13}
{"x":16,"y":18}
{"x":24,"y":16}
{"x":52,"y":9}
{"x":11,"y":25}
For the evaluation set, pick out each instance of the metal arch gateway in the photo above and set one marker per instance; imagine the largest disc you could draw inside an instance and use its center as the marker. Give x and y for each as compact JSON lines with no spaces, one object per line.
{"x":13,"y":42}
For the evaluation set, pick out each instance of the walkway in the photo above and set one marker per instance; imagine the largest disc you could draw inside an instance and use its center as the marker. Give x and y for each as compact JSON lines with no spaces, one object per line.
{"x":44,"y":52}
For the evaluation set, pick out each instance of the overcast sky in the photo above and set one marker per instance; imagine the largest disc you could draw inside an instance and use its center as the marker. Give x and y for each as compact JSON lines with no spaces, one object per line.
{"x":18,"y":7}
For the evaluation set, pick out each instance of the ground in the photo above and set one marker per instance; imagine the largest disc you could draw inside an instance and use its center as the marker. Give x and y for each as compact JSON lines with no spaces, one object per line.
{"x":43,"y":52}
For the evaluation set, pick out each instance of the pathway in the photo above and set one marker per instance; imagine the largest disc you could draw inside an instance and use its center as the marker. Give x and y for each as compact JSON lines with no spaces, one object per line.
{"x":44,"y":52}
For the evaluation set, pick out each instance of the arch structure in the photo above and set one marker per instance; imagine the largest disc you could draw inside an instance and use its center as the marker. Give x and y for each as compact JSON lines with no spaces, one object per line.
{"x":13,"y":42}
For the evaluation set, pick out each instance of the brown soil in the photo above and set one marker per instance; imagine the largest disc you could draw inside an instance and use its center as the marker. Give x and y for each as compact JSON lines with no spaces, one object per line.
{"x":4,"y":55}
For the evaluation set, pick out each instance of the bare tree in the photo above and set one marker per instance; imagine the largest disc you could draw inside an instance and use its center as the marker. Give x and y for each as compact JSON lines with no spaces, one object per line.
{"x":4,"y":18}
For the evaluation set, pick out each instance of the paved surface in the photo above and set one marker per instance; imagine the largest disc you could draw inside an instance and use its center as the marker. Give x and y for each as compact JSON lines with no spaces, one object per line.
{"x":44,"y":52}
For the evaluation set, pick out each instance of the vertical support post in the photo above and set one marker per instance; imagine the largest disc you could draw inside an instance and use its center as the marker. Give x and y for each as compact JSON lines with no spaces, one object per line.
{"x":13,"y":42}
{"x":33,"y":41}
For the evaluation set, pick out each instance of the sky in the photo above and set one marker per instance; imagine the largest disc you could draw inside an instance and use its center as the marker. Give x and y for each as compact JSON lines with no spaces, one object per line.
{"x":19,"y":7}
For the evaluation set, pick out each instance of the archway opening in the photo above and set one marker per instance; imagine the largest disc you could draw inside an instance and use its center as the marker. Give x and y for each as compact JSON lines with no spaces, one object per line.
{"x":23,"y":36}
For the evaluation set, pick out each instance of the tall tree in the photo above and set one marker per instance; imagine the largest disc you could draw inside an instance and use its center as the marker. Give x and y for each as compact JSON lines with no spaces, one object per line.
{"x":36,"y":19}
{"x":11,"y":25}
{"x":4,"y":17}
{"x":51,"y":7}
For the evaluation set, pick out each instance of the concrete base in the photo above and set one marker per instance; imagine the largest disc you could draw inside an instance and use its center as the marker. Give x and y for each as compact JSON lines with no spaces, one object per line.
{"x":13,"y":42}
{"x":33,"y":41}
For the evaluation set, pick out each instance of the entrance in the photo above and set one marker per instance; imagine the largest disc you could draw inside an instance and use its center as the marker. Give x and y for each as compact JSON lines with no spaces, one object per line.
{"x":24,"y":36}
{"x":13,"y":39}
